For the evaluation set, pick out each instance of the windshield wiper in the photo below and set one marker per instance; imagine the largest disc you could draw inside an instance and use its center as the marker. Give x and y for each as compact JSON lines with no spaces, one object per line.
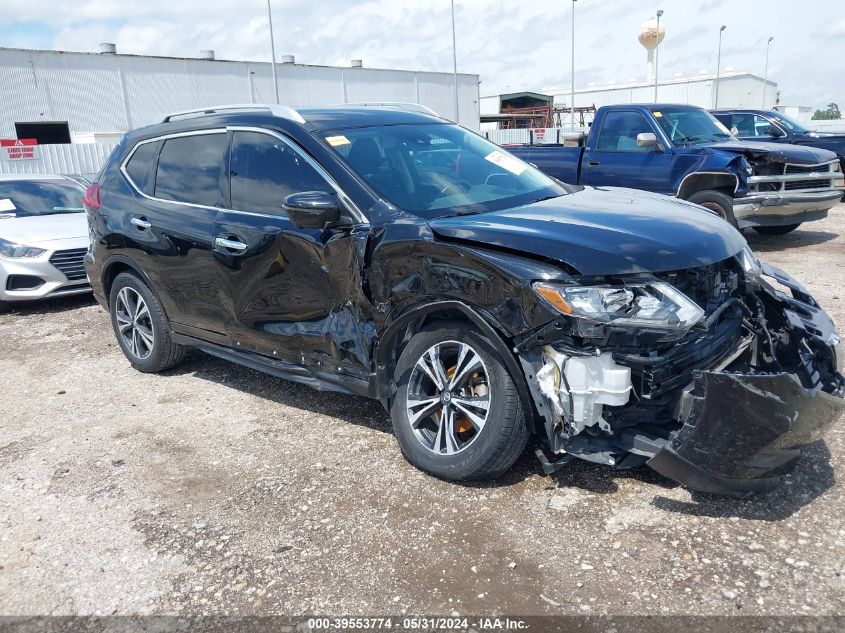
{"x":688,"y":139}
{"x":549,"y":197}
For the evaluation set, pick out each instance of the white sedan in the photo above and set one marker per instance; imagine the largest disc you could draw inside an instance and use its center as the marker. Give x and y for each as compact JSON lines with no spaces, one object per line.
{"x":43,"y":238}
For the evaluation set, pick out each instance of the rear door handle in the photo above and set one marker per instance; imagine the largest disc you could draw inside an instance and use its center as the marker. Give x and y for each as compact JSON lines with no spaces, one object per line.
{"x":141,"y":223}
{"x":232,"y":245}
{"x":593,"y":163}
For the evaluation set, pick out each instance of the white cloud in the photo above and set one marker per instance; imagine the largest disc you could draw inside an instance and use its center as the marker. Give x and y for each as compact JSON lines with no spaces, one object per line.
{"x":510,"y":45}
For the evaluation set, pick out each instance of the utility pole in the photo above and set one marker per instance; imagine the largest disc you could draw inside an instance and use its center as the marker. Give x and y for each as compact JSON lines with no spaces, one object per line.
{"x":657,"y":53}
{"x":766,"y":71}
{"x":273,"y":51}
{"x":572,"y":84}
{"x":455,"y":63}
{"x":718,"y":67}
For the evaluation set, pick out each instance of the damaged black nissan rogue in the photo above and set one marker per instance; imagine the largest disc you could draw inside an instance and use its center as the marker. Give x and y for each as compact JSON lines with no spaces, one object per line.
{"x":388,"y":253}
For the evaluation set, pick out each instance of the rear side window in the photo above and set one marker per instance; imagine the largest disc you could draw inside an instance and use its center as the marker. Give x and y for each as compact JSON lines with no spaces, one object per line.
{"x":141,"y":167}
{"x":265,"y":170}
{"x":189,"y":169}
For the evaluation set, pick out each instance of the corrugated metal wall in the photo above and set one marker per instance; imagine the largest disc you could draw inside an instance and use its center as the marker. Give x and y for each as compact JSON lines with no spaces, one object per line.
{"x":735,"y":91}
{"x":115,"y":93}
{"x":83,"y":159}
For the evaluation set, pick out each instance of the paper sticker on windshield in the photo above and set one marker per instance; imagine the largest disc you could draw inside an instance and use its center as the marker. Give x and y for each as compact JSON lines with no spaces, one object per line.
{"x":657,"y":114}
{"x":6,"y":205}
{"x":513,"y":165}
{"x":337,"y":141}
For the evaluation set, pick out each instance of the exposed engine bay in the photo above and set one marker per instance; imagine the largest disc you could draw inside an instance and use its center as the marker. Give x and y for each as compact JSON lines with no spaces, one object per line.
{"x":721,"y":401}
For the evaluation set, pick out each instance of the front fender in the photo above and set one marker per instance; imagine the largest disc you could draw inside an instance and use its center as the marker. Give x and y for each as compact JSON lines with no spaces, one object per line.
{"x":713,"y":169}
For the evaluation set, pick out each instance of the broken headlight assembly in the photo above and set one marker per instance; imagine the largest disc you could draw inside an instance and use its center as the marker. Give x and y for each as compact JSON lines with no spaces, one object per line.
{"x":652,"y":305}
{"x":750,"y":263}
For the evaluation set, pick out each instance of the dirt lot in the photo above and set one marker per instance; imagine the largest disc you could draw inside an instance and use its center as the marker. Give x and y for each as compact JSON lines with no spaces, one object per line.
{"x":216,"y":489}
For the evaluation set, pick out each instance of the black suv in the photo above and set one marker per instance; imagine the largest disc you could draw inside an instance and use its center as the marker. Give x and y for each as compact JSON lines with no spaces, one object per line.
{"x":389,"y":253}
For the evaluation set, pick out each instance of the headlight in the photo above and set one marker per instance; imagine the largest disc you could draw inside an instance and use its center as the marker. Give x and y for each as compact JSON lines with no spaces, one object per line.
{"x":10,"y":249}
{"x":655,"y":305}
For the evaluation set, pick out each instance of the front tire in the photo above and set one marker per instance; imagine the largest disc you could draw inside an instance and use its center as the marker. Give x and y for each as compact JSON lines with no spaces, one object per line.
{"x":457,"y":413}
{"x":716,"y":202}
{"x":776,"y":230}
{"x":141,"y":327}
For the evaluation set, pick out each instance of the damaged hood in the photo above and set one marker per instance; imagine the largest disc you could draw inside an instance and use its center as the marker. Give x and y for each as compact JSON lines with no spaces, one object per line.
{"x":603,"y":231}
{"x":778,"y":152}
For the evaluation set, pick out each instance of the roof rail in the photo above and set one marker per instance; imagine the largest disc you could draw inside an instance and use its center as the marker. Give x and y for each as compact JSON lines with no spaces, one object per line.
{"x":393,"y":105}
{"x":282,"y":111}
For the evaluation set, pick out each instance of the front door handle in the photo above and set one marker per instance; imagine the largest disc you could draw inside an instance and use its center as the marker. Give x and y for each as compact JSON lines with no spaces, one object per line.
{"x":141,"y":223}
{"x":232,"y":245}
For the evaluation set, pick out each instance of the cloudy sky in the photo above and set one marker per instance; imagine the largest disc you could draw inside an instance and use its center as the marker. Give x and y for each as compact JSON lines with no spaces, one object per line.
{"x":512,"y":45}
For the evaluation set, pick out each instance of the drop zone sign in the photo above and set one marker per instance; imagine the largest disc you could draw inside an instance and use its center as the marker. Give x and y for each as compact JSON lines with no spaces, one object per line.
{"x":18,"y":148}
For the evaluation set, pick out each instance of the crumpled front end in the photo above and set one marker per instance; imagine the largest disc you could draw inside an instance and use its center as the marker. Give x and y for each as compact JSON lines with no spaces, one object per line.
{"x":723,"y":408}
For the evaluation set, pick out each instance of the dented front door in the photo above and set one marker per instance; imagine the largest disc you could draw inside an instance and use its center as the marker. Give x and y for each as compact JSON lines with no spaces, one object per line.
{"x":292,"y":294}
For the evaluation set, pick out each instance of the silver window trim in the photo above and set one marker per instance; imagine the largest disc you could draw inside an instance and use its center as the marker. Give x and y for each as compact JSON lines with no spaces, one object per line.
{"x":165,"y":137}
{"x":358,"y":217}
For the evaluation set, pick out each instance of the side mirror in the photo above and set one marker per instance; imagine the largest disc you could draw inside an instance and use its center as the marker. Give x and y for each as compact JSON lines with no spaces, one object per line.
{"x":774,"y":131}
{"x":312,"y":209}
{"x":646,"y":139}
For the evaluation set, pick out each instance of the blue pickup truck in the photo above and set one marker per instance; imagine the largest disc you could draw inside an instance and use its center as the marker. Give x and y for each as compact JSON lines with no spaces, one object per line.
{"x":684,"y":151}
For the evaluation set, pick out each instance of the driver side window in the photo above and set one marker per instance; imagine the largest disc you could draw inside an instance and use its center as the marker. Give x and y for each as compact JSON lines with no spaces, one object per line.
{"x":619,"y":132}
{"x":264,"y":170}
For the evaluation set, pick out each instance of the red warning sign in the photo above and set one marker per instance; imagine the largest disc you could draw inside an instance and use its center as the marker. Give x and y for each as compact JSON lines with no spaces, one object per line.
{"x":18,"y":148}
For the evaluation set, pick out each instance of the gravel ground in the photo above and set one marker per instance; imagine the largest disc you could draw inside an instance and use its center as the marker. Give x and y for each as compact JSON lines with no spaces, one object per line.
{"x":216,"y":489}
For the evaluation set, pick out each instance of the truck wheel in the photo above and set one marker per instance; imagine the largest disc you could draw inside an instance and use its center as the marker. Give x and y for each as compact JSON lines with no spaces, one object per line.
{"x":717,"y":202}
{"x":457,"y":413}
{"x":4,"y":307}
{"x":776,"y":230}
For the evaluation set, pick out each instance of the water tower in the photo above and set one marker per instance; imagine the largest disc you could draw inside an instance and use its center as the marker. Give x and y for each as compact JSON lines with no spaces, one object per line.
{"x":650,"y":36}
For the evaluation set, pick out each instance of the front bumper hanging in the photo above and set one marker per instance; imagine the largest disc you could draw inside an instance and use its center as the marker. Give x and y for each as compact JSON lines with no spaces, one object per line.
{"x":742,"y":428}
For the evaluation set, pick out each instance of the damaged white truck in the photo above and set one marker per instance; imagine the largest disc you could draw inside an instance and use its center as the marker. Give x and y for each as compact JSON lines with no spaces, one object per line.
{"x":389,"y":253}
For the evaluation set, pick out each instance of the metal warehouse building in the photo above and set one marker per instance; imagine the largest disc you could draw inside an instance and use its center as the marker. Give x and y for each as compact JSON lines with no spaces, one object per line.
{"x":97,"y":96}
{"x":735,"y":90}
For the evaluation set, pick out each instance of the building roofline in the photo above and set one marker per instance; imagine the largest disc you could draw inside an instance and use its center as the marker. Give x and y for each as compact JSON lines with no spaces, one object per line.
{"x":43,"y":51}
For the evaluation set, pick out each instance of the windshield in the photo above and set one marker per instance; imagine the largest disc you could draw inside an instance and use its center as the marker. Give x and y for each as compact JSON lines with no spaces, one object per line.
{"x":23,"y":198}
{"x":435,"y":170}
{"x":691,"y":126}
{"x":790,"y":124}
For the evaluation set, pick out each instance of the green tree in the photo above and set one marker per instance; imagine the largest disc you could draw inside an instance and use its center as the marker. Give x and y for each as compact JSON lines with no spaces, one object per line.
{"x":832,"y":112}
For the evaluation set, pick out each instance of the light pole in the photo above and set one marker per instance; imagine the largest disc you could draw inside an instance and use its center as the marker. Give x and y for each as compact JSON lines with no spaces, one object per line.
{"x":766,"y":71}
{"x":455,"y":61}
{"x":572,"y":84}
{"x":718,"y":67}
{"x":273,"y":51}
{"x":657,"y":53}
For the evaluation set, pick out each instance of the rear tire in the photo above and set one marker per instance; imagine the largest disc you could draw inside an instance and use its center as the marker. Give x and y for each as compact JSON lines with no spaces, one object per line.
{"x":485,"y":430}
{"x":776,"y":230}
{"x":141,"y":327}
{"x":4,"y":306}
{"x":716,"y":202}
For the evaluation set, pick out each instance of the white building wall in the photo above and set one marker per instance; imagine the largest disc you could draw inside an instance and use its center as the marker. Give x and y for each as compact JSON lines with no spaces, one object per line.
{"x":114,"y":93}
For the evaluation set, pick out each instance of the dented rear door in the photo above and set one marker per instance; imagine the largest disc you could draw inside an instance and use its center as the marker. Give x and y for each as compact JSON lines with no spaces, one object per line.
{"x":292,"y":294}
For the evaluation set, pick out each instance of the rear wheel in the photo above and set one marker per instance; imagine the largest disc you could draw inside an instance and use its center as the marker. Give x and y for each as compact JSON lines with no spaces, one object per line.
{"x":4,"y":306}
{"x":716,"y":202}
{"x":141,"y":327}
{"x":776,"y":230}
{"x":457,"y":413}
